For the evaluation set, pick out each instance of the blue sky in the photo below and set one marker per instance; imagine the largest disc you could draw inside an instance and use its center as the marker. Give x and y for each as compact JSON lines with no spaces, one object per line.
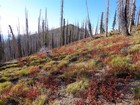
{"x":74,"y":11}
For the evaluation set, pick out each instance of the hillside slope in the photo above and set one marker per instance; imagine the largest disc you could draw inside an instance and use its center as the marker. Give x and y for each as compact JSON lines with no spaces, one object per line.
{"x":50,"y":39}
{"x":104,"y":71}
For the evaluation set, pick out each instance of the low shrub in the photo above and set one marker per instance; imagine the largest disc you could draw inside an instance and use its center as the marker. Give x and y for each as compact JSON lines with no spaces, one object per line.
{"x":33,"y":69}
{"x":68,"y":76}
{"x":121,"y":66}
{"x":4,"y":85}
{"x":63,"y":63}
{"x":41,"y":100}
{"x":17,"y":90}
{"x":134,"y":49}
{"x":94,"y":64}
{"x":50,"y":65}
{"x":32,"y":93}
{"x":77,"y":86}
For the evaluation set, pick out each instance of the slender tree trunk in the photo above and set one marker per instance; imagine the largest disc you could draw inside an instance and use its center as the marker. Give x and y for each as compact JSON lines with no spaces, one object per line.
{"x":114,"y":21}
{"x":89,"y":23}
{"x":96,"y":30}
{"x":78,"y":34}
{"x":67,"y":33}
{"x":107,"y":18}
{"x":14,"y":42}
{"x":43,"y":32}
{"x":46,"y":20}
{"x":63,"y":41}
{"x":132,"y":16}
{"x":86,"y":31}
{"x":39,"y":30}
{"x":138,"y":18}
{"x":27,"y":33}
{"x":19,"y":39}
{"x":61,"y":23}
{"x":70,"y":37}
{"x":101,"y":24}
{"x":46,"y":29}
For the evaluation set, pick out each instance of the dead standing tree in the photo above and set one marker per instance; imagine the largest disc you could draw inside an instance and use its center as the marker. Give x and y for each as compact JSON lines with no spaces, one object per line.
{"x":102,"y":24}
{"x":27,"y":46}
{"x":132,"y":15}
{"x":107,"y":18}
{"x":64,"y":35}
{"x":96,"y":29}
{"x":114,"y":21}
{"x":43,"y":32}
{"x":123,"y":16}
{"x":46,"y":40}
{"x":19,"y":39}
{"x":61,"y":23}
{"x":15,"y":43}
{"x":39,"y":30}
{"x":88,"y":21}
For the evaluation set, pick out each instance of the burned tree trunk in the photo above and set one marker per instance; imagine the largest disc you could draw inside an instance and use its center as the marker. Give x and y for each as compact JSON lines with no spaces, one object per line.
{"x":89,"y":23}
{"x":114,"y":21}
{"x":123,"y":16}
{"x":14,"y":42}
{"x":132,"y":12}
{"x":27,"y":33}
{"x":101,"y":24}
{"x":61,"y":23}
{"x":107,"y":18}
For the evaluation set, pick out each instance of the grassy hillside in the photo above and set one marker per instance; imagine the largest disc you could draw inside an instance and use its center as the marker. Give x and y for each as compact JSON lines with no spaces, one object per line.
{"x":103,"y":71}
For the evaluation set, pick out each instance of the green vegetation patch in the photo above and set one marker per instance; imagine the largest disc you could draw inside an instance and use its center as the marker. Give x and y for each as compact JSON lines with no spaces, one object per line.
{"x":9,"y":66}
{"x":136,"y":39}
{"x":121,"y":66}
{"x":18,"y":89}
{"x":134,"y":49}
{"x":94,"y":64}
{"x":68,"y":76}
{"x":14,"y":73}
{"x":63,"y":63}
{"x":137,"y":92}
{"x":120,"y":63}
{"x":72,"y":57}
{"x":78,"y":86}
{"x":51,"y":65}
{"x":4,"y":85}
{"x":41,"y":100}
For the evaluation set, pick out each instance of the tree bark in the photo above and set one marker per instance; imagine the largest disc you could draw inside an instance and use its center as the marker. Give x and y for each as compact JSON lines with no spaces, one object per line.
{"x":132,"y":15}
{"x":123,"y":16}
